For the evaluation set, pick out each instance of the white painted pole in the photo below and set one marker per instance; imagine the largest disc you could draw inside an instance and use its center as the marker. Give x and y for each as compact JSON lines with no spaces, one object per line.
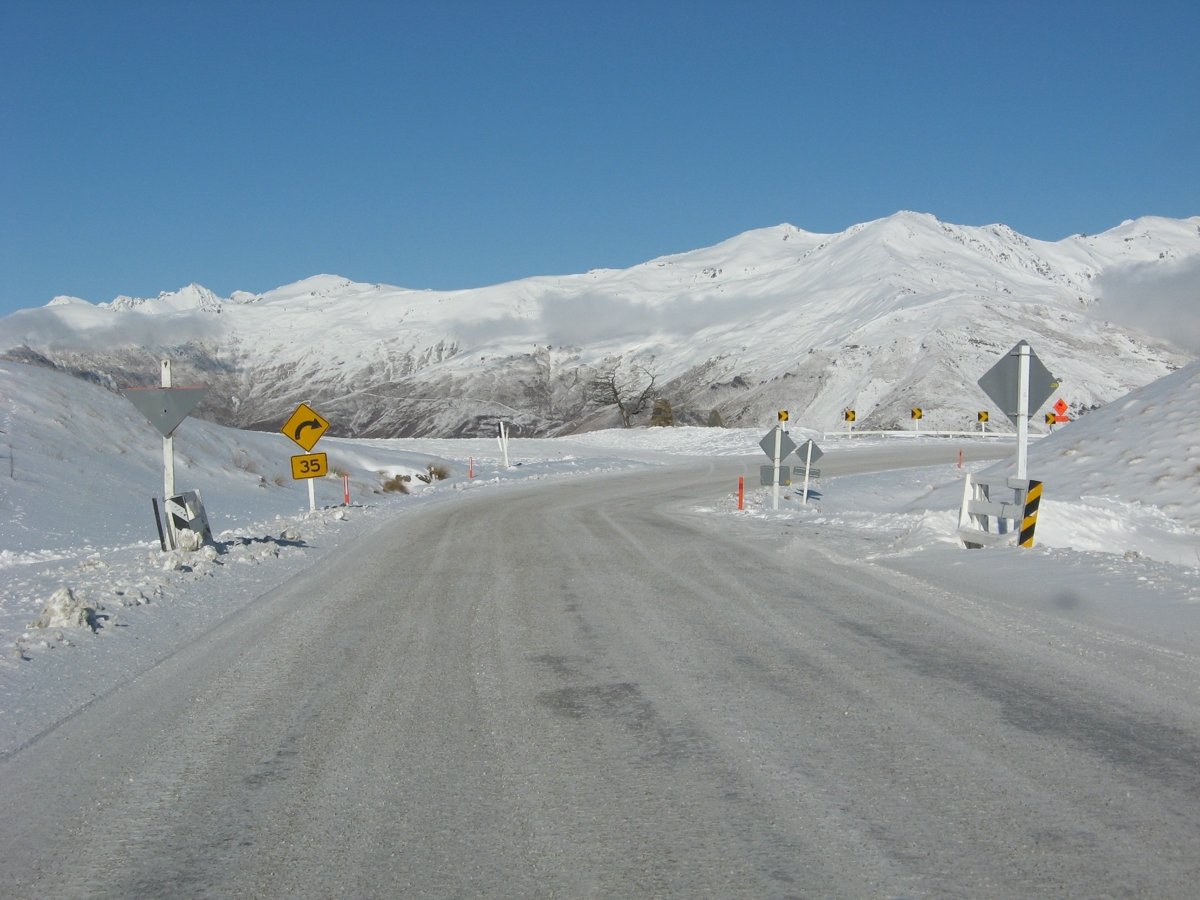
{"x":502,"y":440}
{"x":168,"y":467}
{"x":775,"y":480}
{"x":1022,"y":408}
{"x":168,"y":444}
{"x":807,"y":466}
{"x":312,"y":496}
{"x":168,"y":462}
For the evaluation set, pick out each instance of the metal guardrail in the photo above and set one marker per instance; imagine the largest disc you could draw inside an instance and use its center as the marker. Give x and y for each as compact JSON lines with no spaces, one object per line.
{"x":977,"y":434}
{"x":1013,"y":520}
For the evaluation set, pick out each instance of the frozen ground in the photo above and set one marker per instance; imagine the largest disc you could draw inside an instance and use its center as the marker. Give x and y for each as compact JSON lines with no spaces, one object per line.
{"x":1118,"y":525}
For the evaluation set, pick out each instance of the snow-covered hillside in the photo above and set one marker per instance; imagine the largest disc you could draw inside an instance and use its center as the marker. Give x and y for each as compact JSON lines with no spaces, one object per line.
{"x":1143,"y":449}
{"x":899,"y":312}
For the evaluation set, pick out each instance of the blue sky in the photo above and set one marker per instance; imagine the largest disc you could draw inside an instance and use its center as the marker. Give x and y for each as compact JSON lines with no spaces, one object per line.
{"x":247,"y":145}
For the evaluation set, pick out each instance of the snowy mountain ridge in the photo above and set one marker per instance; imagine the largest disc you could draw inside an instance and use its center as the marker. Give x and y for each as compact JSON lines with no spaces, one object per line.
{"x":898,"y":312}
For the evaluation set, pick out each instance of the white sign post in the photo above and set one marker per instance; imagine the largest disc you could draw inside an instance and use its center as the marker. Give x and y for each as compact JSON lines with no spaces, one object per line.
{"x":775,"y":477}
{"x":811,"y":453}
{"x":168,"y":443}
{"x":777,"y":445}
{"x":1022,"y":409}
{"x":166,"y":407}
{"x":1019,"y":384}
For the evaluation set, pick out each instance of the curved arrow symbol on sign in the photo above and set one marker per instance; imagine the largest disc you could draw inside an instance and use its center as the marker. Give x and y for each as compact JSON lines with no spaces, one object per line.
{"x":312,"y":423}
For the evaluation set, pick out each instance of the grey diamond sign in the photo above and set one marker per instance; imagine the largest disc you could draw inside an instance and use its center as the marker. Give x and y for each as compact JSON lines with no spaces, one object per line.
{"x":1000,"y":382}
{"x":817,"y":452}
{"x":786,"y":445}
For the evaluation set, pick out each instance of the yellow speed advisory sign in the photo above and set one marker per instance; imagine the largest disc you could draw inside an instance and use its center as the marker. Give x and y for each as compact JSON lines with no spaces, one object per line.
{"x":313,"y":465}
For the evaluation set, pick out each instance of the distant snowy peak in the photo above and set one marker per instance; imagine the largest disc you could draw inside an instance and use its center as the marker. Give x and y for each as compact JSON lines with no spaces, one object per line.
{"x":781,"y":244}
{"x":904,"y":250}
{"x":192,"y":297}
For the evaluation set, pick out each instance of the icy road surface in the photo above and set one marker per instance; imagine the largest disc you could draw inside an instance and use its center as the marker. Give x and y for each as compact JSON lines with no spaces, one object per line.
{"x":588,"y":688}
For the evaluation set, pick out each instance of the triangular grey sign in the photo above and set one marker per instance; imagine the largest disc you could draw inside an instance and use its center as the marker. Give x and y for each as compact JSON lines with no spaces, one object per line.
{"x":1000,"y":382}
{"x":165,"y":407}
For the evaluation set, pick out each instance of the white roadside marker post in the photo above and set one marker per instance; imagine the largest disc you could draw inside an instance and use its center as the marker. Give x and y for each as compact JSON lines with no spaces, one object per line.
{"x":312,"y":496}
{"x":502,"y":439}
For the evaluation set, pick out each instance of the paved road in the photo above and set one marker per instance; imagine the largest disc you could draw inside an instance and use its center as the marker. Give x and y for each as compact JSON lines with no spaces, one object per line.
{"x":582,"y":689}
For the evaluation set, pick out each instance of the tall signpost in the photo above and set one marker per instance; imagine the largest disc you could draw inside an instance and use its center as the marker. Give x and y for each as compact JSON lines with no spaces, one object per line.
{"x":1023,"y":409}
{"x":810,"y":453}
{"x":777,"y":445}
{"x":166,"y":407}
{"x":1019,"y":384}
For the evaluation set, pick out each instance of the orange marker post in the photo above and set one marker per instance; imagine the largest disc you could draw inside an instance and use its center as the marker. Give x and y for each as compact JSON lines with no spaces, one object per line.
{"x":346,"y":489}
{"x":960,"y":457}
{"x":471,"y":467}
{"x":741,"y":492}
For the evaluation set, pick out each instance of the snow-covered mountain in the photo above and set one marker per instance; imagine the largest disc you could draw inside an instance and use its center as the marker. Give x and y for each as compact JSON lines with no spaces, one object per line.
{"x":903,"y":311}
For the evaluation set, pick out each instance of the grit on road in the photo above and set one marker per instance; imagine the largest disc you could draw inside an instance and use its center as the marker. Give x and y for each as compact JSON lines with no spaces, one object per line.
{"x":588,"y":689}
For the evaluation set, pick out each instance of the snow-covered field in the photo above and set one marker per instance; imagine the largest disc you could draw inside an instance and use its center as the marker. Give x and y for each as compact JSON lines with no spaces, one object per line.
{"x":1120,"y":515}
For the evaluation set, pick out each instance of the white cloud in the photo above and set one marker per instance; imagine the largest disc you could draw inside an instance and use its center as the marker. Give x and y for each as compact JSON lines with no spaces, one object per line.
{"x":1159,"y":298}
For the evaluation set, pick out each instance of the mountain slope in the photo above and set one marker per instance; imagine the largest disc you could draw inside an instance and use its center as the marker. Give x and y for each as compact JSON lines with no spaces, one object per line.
{"x":899,"y":312}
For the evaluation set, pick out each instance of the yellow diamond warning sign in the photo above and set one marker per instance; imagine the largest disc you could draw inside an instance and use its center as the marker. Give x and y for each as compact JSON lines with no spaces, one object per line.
{"x":314,"y":465}
{"x":305,"y":427}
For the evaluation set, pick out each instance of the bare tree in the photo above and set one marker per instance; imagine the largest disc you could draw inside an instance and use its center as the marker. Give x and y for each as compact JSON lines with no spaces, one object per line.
{"x":559,"y":389}
{"x":630,"y":390}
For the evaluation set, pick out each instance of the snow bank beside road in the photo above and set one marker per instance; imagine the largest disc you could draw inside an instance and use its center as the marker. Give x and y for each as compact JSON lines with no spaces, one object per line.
{"x":76,"y":513}
{"x":1143,"y":448}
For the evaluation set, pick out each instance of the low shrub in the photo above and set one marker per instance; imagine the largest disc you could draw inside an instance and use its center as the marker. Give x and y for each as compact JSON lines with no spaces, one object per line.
{"x":434,"y":472}
{"x":396,"y":484}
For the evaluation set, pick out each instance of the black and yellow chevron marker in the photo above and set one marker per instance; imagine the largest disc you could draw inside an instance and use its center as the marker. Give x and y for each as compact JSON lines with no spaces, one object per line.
{"x":783,"y":416}
{"x":1050,"y":419}
{"x":1033,"y":498}
{"x":917,"y":412}
{"x":983,"y":416}
{"x":849,"y":414}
